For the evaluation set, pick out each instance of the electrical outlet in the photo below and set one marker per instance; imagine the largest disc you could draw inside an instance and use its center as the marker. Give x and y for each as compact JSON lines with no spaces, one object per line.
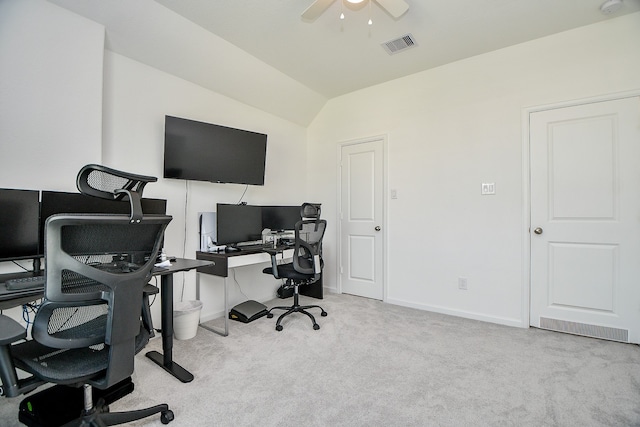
{"x":462,"y":283}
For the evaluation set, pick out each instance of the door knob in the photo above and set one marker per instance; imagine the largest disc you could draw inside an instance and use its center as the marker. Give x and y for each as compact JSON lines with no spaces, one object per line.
{"x":377,"y":228}
{"x":538,"y":230}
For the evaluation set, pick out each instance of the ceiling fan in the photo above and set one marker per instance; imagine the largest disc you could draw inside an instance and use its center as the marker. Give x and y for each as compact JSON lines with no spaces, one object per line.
{"x":395,"y":8}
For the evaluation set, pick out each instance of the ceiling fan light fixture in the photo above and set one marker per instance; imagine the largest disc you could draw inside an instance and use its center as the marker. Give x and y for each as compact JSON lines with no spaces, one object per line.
{"x":610,"y":6}
{"x":395,"y":8}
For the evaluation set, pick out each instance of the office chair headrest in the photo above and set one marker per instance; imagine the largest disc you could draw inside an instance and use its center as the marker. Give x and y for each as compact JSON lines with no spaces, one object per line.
{"x":111,"y":184}
{"x":310,"y":211}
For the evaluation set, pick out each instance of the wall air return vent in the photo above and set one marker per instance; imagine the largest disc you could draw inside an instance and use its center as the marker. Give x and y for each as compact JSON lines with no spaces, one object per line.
{"x":400,"y":44}
{"x":584,"y":329}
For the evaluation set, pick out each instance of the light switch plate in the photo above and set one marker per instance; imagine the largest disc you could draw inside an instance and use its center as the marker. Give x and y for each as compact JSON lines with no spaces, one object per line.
{"x":488,"y":188}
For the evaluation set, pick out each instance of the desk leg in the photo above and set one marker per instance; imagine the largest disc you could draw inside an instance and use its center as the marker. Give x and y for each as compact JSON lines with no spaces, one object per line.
{"x":226,"y":308}
{"x":166,"y":361}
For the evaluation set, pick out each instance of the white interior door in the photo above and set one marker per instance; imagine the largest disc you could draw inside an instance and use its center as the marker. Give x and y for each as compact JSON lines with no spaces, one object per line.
{"x":585,"y":219}
{"x":361,"y":225}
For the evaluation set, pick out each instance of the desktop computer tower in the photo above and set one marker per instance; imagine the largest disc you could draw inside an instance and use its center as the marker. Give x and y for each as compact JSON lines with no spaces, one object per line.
{"x":284,"y":292}
{"x":207,"y":226}
{"x":57,"y":405}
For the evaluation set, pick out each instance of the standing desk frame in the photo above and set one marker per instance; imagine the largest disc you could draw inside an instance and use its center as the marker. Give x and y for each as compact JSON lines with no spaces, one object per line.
{"x":222,"y":262}
{"x":165,"y":360}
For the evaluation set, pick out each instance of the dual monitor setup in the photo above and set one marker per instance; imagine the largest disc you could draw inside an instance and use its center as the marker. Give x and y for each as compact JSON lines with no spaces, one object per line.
{"x":24,"y":213}
{"x":237,"y":225}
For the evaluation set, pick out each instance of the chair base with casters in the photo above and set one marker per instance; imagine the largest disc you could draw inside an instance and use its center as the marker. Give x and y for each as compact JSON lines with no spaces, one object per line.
{"x":98,"y":414}
{"x":296,"y":307}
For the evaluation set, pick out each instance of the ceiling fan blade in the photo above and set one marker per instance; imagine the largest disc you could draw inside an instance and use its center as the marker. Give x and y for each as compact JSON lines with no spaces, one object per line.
{"x":316,"y":9}
{"x":396,"y":8}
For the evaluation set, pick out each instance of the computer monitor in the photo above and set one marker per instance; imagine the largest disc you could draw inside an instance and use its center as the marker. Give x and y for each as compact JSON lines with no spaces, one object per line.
{"x":238,"y":224}
{"x":19,"y":210}
{"x":55,"y":202}
{"x":280,"y":218}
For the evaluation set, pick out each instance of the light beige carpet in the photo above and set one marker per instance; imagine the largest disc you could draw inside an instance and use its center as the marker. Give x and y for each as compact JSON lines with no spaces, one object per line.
{"x":375,"y":364}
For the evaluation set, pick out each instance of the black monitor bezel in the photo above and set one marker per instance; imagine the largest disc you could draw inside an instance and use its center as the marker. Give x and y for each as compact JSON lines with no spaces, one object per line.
{"x":280,"y":218}
{"x":228,"y":219}
{"x":201,"y":151}
{"x":22,"y":220}
{"x":60,"y":202}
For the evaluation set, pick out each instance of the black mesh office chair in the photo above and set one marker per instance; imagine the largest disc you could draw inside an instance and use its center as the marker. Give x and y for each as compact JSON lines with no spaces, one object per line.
{"x":88,"y":328}
{"x":306,"y":266}
{"x":110,"y":184}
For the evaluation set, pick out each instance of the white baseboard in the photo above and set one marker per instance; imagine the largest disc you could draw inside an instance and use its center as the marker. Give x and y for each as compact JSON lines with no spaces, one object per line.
{"x":460,"y":313}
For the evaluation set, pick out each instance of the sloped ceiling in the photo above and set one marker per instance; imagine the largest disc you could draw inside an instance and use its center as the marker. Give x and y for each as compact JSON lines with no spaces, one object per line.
{"x":264,"y":54}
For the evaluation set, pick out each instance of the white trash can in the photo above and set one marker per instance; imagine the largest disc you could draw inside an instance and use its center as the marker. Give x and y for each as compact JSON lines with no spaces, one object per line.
{"x":186,"y":318}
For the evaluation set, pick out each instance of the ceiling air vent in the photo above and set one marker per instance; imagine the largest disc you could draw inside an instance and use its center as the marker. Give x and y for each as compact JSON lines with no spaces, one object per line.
{"x":399,"y":44}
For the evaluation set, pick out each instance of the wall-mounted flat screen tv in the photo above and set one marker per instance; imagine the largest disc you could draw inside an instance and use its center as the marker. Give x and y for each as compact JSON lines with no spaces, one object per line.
{"x":207,"y":152}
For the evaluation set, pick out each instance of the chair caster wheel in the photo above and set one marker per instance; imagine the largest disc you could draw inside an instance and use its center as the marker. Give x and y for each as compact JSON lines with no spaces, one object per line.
{"x":166,"y":417}
{"x":323,"y":314}
{"x":278,"y":327}
{"x":269,"y":315}
{"x":316,"y":326}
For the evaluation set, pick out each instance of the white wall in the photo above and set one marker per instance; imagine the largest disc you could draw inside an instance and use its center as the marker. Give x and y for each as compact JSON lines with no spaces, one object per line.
{"x":136,"y":100}
{"x":50,"y":95}
{"x":50,"y":98}
{"x":450,"y":129}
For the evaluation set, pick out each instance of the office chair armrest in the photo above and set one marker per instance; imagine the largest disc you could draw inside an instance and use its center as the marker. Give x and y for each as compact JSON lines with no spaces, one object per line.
{"x":10,"y":330}
{"x":274,"y":261}
{"x":273,"y":251}
{"x":312,"y":261}
{"x":317,"y":265}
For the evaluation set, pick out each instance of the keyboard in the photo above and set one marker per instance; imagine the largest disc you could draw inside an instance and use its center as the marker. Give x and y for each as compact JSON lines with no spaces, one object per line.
{"x":24,"y":283}
{"x":255,"y":246}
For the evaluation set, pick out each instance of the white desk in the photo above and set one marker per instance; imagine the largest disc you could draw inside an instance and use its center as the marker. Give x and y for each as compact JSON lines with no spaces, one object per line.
{"x":222,"y":262}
